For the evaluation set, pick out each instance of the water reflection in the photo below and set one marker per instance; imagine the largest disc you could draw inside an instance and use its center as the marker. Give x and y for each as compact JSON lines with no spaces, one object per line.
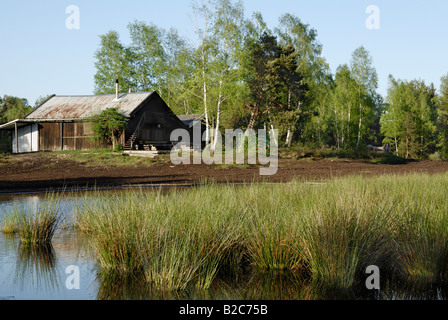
{"x":251,"y":286}
{"x":113,"y":286}
{"x":407,"y":289}
{"x":36,"y":268}
{"x":39,"y":273}
{"x":265,"y":286}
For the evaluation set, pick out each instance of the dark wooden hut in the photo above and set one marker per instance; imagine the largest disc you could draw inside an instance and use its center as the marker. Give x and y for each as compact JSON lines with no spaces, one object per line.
{"x":64,"y":123}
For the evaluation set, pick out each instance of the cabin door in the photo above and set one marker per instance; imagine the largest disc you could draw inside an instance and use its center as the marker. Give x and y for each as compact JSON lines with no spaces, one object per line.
{"x":156,"y":133}
{"x":153,"y":132}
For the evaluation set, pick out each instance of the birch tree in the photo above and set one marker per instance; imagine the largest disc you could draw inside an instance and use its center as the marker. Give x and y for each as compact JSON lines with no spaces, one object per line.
{"x":393,"y":119}
{"x":443,"y":117}
{"x":228,"y":32}
{"x":203,"y":19}
{"x":112,"y":61}
{"x":410,"y":117}
{"x":336,"y":110}
{"x":366,"y":80}
{"x":179,"y":73}
{"x":148,"y":56}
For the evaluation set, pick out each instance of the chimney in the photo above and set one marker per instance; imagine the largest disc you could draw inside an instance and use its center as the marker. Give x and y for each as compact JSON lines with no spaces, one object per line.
{"x":117,"y":83}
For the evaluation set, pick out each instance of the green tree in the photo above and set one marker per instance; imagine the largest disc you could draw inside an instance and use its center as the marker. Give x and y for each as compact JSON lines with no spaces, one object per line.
{"x":12,"y":108}
{"x":410,"y":118}
{"x":314,"y":116}
{"x":310,"y":63}
{"x":344,"y":101}
{"x":113,"y":61}
{"x":366,"y":80}
{"x":443,"y":117}
{"x":2,"y":112}
{"x":228,"y":34}
{"x":108,"y":126}
{"x":392,"y":121}
{"x":263,"y":53}
{"x":203,"y":57}
{"x":289,"y":91}
{"x":148,"y":57}
{"x":320,"y":125}
{"x":274,"y":81}
{"x":179,"y":72}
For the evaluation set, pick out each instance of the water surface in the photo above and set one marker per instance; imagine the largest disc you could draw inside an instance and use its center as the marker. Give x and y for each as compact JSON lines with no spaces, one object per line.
{"x":41,"y":274}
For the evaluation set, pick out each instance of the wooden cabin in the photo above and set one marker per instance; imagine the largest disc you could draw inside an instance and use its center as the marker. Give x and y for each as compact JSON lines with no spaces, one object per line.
{"x":64,"y":123}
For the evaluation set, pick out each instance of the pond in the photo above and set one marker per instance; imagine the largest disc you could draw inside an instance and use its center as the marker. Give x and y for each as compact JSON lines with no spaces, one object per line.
{"x":33,"y":274}
{"x":46,"y":274}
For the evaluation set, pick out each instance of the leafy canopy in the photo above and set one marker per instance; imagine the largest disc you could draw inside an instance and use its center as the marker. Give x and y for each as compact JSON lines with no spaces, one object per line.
{"x":108,"y":125}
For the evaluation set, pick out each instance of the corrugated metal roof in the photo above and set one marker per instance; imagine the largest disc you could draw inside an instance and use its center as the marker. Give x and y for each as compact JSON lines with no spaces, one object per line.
{"x":81,"y":107}
{"x":188,"y":119}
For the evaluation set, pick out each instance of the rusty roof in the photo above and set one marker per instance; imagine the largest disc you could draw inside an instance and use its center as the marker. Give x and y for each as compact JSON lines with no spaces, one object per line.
{"x":82,"y":107}
{"x":189,"y":119}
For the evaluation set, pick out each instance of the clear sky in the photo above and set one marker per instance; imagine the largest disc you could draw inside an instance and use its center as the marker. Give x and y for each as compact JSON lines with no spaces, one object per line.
{"x":40,"y":56}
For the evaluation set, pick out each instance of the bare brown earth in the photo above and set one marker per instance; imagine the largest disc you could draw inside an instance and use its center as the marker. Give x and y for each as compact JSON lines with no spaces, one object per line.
{"x":34,"y":172}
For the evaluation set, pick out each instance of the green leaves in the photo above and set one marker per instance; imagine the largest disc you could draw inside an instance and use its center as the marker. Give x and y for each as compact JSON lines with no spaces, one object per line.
{"x":410,"y":117}
{"x":12,"y":108}
{"x":348,"y":107}
{"x":112,"y":62}
{"x":362,"y":70}
{"x":275,"y":84}
{"x":443,"y":117}
{"x":108,"y":125}
{"x":239,"y":73}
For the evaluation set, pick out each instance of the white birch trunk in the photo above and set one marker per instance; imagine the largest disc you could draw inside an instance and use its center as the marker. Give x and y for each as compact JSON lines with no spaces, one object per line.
{"x":396,"y":145}
{"x":218,"y":114}
{"x":359,"y":127}
{"x":207,"y":123}
{"x":337,"y":126}
{"x":348,"y":124}
{"x":275,"y":141}
{"x":287,"y":144}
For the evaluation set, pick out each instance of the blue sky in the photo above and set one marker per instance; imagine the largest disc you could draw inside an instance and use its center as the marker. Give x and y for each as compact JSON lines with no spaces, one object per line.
{"x":40,"y":56}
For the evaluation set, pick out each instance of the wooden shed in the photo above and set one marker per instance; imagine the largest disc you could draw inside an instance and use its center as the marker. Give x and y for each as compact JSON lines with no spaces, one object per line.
{"x":64,"y":123}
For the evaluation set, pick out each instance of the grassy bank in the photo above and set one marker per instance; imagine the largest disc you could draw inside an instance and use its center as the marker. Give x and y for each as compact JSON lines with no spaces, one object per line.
{"x":330,"y":231}
{"x":101,"y":158}
{"x":301,"y":152}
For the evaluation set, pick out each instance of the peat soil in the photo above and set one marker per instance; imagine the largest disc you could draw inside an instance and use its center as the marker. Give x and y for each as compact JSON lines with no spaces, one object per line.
{"x":37,"y":173}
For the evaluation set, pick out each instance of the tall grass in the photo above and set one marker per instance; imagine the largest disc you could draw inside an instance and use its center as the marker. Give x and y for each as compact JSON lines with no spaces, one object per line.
{"x":151,"y":233}
{"x":421,"y":228}
{"x":330,"y":231}
{"x":9,"y":223}
{"x":271,"y":231}
{"x":344,"y":231}
{"x":34,"y":226}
